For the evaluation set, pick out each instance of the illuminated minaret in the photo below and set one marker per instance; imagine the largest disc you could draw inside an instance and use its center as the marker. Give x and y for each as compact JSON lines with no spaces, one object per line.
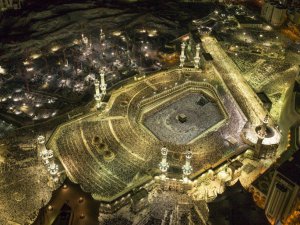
{"x":53,"y":168}
{"x":41,"y":146}
{"x":265,"y":123}
{"x":85,"y":40}
{"x":67,"y":63}
{"x":41,"y":140}
{"x":103,"y":85}
{"x":182,"y":56}
{"x":45,"y":154}
{"x":101,"y":35}
{"x":261,"y":134}
{"x":97,"y":95}
{"x":197,"y":57}
{"x":187,"y":168}
{"x":164,"y":165}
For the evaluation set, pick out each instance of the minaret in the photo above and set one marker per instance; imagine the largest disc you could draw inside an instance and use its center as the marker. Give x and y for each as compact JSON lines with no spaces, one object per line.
{"x":41,"y":140}
{"x":187,"y":168}
{"x":101,"y":35}
{"x":67,"y":63}
{"x":164,"y":165}
{"x":41,"y":146}
{"x":97,"y":95}
{"x":182,"y":56}
{"x":265,"y":123}
{"x":85,"y":40}
{"x":261,"y":134}
{"x":197,"y":57}
{"x":45,"y":154}
{"x":103,"y":85}
{"x":53,"y":168}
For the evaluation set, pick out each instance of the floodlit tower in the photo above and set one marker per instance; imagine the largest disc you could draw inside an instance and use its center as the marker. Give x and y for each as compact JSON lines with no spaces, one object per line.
{"x":187,"y":168}
{"x":67,"y":63}
{"x":265,"y":123}
{"x":47,"y":158}
{"x":45,"y":154}
{"x":85,"y":40}
{"x":41,"y":140}
{"x":41,"y":146}
{"x":101,"y":35}
{"x":97,"y":95}
{"x":164,"y":165}
{"x":197,"y":57}
{"x":103,"y":85}
{"x":261,"y":134}
{"x":53,"y":168}
{"x":182,"y":56}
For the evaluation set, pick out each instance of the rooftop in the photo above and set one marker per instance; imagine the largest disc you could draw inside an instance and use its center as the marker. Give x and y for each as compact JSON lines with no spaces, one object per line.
{"x":291,"y":168}
{"x":235,"y":206}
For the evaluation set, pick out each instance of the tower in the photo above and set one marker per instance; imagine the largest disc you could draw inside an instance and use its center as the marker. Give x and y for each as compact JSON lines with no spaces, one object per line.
{"x":45,"y":154}
{"x":265,"y":123}
{"x":41,"y":147}
{"x":197,"y":57}
{"x":47,"y":158}
{"x":187,"y":168}
{"x":97,"y":95}
{"x":84,"y":40}
{"x":41,"y":140}
{"x":284,"y":191}
{"x":101,"y":35}
{"x":261,"y":134}
{"x":53,"y":168}
{"x":182,"y":56}
{"x":103,"y":85}
{"x":164,"y":165}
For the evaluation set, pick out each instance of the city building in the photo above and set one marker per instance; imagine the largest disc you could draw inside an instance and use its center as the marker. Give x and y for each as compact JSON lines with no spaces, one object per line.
{"x":293,"y":15}
{"x":274,"y":12}
{"x":10,"y":4}
{"x":284,"y":192}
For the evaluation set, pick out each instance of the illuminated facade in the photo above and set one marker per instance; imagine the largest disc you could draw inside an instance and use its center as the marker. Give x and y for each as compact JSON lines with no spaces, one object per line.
{"x":10,"y":4}
{"x":284,"y":192}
